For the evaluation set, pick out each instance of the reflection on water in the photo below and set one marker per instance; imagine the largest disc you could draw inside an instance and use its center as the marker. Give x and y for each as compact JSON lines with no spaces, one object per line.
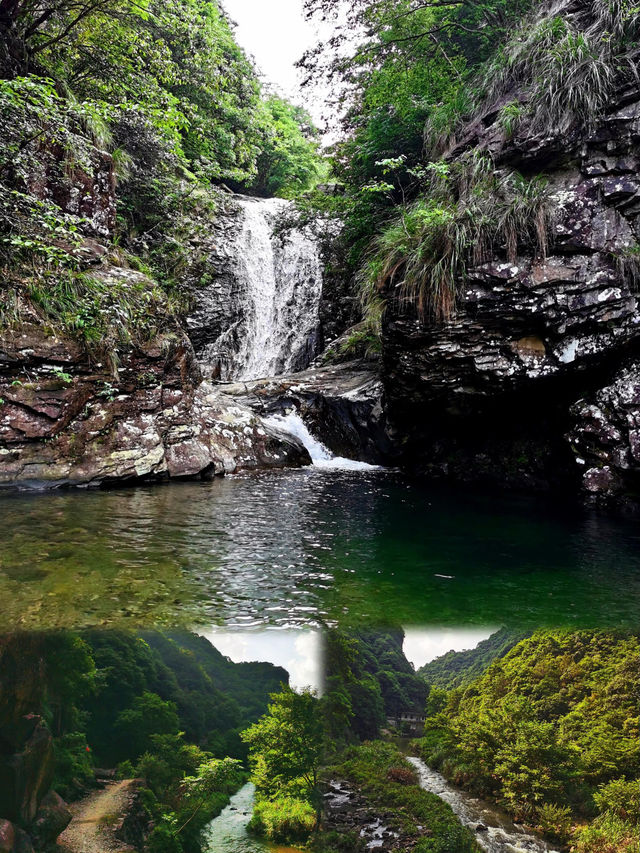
{"x":302,"y":547}
{"x":228,"y":832}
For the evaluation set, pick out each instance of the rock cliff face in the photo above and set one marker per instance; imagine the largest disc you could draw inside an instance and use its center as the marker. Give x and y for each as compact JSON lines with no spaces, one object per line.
{"x":29,"y":811}
{"x":217,"y":320}
{"x":70,"y":417}
{"x":534,"y":381}
{"x":66,"y":420}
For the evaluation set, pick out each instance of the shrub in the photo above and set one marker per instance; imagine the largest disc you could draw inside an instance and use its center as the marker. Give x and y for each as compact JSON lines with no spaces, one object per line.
{"x":283,"y":819}
{"x":163,"y":839}
{"x":607,"y":834}
{"x":569,"y":64}
{"x":73,"y":764}
{"x":621,"y":797}
{"x":555,"y":820}
{"x":401,"y":775}
{"x":125,"y":770}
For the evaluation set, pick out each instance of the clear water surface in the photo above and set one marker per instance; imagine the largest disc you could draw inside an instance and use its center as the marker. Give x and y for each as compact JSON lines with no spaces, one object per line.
{"x":308,"y":547}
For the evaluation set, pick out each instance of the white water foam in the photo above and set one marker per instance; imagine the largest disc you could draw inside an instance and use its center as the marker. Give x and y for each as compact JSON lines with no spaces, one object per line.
{"x":321,"y":456}
{"x":282,"y":278}
{"x":495,"y":832}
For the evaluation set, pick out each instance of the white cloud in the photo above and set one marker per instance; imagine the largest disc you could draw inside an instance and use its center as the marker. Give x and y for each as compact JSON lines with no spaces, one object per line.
{"x":276,"y":34}
{"x":422,"y":645}
{"x":299,"y":652}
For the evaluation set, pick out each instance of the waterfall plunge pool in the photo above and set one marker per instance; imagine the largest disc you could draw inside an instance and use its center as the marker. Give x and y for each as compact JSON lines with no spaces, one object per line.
{"x":307,"y":547}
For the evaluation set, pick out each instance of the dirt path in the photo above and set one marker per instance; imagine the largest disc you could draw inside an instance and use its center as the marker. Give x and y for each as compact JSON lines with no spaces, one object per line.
{"x":90,"y":830}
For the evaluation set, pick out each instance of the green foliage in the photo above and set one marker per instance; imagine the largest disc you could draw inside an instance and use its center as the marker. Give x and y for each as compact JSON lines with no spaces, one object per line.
{"x":555,"y":821}
{"x":286,"y":745}
{"x":289,"y":162}
{"x":567,"y":64}
{"x":550,"y":729}
{"x":510,"y":117}
{"x":284,"y":819}
{"x":371,"y":767}
{"x":73,"y":764}
{"x":621,"y":797}
{"x":368,"y":679}
{"x":285,"y":750}
{"x":162,"y":839}
{"x":108,"y":312}
{"x":135,"y":727}
{"x":473,"y":210}
{"x":607,"y":834}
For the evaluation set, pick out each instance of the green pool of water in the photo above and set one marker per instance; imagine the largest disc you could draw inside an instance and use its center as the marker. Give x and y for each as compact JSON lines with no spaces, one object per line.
{"x":296,"y":548}
{"x":228,"y":832}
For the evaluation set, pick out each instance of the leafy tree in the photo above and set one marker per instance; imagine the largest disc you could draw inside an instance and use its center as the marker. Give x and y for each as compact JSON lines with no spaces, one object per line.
{"x":289,"y":162}
{"x":135,"y":726}
{"x":286,"y":745}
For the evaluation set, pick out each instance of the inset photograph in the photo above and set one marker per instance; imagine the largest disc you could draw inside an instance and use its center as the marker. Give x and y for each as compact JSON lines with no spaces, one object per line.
{"x":427,"y":740}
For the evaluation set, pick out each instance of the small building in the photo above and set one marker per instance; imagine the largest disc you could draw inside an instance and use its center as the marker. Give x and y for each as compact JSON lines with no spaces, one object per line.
{"x":408,"y":721}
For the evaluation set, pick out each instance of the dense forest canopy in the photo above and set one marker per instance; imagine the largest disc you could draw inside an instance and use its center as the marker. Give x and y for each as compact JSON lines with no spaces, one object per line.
{"x":166,"y":707}
{"x":175,"y":65}
{"x":549,"y":728}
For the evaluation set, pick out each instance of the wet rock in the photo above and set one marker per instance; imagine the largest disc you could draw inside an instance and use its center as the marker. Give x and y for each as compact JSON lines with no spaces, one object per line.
{"x":605,"y":437}
{"x":155,"y":420}
{"x":342,"y":405}
{"x":217,"y":320}
{"x":528,"y":377}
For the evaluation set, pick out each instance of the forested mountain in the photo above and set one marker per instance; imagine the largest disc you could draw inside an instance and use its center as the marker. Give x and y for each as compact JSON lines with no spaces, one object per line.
{"x":368,"y":678}
{"x":165,"y":707}
{"x":550,"y":730}
{"x":213,"y":697}
{"x":458,"y":669}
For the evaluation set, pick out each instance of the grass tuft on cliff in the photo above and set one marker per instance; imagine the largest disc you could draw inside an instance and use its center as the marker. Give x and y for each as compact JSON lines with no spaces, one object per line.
{"x":471,"y":211}
{"x":556,"y":72}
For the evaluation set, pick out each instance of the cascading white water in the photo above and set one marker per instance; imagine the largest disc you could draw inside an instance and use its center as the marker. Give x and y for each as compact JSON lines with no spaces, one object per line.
{"x":494,"y":831}
{"x":282,"y":278}
{"x":321,"y":456}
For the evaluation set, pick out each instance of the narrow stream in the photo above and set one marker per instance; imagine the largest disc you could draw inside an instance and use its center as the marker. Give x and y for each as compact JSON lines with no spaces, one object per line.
{"x":228,"y":832}
{"x":495,"y":832}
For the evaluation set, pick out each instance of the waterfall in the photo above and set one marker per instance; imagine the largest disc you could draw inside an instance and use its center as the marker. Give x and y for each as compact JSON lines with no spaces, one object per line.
{"x":321,"y":456}
{"x":282,"y":279}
